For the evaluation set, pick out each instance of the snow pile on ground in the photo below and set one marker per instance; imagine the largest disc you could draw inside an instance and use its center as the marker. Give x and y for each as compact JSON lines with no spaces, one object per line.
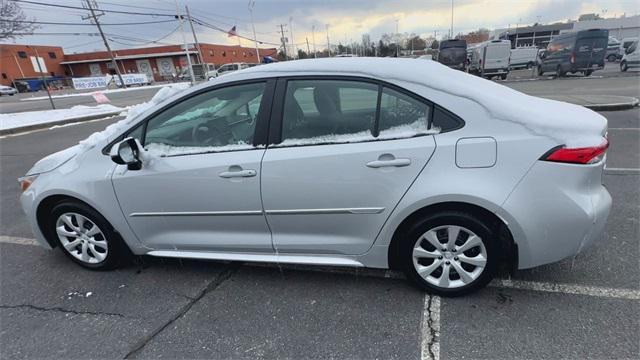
{"x":132,"y":113}
{"x":16,"y":120}
{"x":104,"y":91}
{"x":568,"y":124}
{"x":397,"y":132}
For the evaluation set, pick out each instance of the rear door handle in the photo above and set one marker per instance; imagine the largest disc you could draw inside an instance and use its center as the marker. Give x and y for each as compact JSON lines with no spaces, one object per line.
{"x":387,"y":163}
{"x":237,"y":174}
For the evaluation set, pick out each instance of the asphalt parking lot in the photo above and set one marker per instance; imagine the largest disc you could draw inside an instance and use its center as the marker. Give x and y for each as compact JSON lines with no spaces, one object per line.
{"x":583,"y":307}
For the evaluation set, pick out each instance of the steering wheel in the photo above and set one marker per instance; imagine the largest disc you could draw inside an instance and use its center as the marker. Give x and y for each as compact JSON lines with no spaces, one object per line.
{"x":211,"y":132}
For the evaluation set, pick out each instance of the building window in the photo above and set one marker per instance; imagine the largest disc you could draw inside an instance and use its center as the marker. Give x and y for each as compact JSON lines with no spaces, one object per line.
{"x":4,"y":76}
{"x":22,"y":54}
{"x":224,"y":54}
{"x":210,"y":52}
{"x":52,"y":55}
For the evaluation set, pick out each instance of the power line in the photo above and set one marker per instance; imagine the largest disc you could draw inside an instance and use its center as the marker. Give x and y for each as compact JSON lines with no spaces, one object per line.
{"x":102,"y":10}
{"x":85,"y":24}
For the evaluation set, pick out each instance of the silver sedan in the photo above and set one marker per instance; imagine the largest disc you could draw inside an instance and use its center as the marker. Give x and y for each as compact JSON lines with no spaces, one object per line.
{"x":363,"y":162}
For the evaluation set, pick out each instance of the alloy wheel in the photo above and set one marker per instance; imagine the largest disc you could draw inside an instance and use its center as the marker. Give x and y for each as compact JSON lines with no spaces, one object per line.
{"x":81,"y":238}
{"x":449,"y":256}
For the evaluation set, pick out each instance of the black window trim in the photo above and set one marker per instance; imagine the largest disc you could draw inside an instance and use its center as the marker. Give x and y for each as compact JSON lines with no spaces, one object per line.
{"x":262,"y":122}
{"x":275,"y":130}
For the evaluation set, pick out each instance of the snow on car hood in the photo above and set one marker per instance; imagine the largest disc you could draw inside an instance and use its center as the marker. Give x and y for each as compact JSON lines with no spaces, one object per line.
{"x":572,"y":125}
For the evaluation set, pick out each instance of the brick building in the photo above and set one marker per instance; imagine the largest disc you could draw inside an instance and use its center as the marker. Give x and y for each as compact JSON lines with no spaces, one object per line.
{"x":19,"y":62}
{"x":158,"y":62}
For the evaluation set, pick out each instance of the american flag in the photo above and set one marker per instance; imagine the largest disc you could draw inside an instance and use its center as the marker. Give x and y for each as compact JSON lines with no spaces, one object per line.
{"x":232,"y":32}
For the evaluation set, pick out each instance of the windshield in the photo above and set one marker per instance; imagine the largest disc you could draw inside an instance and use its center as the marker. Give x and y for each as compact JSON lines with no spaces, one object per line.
{"x":452,"y":55}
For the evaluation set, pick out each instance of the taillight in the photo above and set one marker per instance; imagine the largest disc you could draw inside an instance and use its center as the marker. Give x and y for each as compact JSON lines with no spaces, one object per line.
{"x":585,"y":155}
{"x":573,"y":58}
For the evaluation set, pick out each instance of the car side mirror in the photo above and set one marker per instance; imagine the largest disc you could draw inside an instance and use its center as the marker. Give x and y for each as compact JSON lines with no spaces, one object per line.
{"x":127,"y":152}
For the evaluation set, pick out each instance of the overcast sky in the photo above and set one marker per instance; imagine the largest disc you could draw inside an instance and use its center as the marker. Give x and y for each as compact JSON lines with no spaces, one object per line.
{"x":347,"y":19}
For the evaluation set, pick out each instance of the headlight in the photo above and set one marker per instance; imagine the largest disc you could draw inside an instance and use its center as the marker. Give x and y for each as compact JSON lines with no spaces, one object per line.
{"x":26,"y":181}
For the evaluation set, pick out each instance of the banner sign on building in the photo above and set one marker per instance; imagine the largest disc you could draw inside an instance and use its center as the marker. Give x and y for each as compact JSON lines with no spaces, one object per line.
{"x":96,"y":82}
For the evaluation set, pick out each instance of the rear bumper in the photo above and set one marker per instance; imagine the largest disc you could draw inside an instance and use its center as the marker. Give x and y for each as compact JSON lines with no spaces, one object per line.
{"x":557,"y":211}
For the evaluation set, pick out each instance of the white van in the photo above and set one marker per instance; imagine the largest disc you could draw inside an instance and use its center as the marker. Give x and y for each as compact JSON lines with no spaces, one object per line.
{"x":491,"y":58}
{"x":631,"y":58}
{"x":524,"y":57}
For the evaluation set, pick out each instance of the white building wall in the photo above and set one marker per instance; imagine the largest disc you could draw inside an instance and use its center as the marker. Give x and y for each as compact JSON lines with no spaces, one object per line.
{"x":619,"y":28}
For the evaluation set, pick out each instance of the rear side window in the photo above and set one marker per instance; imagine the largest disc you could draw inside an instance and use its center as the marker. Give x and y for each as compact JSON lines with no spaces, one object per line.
{"x":445,"y":121}
{"x":328,"y":111}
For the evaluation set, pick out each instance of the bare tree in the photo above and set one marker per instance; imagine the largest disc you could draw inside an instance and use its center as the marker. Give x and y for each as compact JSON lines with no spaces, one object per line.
{"x":13,"y":21}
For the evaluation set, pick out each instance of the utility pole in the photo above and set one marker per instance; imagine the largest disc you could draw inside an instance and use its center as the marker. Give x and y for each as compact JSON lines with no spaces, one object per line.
{"x":517,"y":26}
{"x":328,"y":43}
{"x":293,"y":43}
{"x":397,"y":38}
{"x":44,"y":81}
{"x":195,"y":39}
{"x":253,"y":25}
{"x":313,"y":38}
{"x":104,"y":39}
{"x":308,"y":50}
{"x":184,"y":41}
{"x":451,"y":29}
{"x":284,"y":41}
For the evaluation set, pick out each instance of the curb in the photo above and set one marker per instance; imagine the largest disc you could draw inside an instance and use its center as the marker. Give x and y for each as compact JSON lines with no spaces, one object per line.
{"x":60,"y":122}
{"x":613,"y":106}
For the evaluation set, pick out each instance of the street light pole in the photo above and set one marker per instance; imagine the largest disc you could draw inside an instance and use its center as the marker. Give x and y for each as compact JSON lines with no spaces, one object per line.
{"x":397,"y":38}
{"x":451,"y":29}
{"x":44,"y":81}
{"x":253,"y":25}
{"x":313,"y":37}
{"x":328,"y":43}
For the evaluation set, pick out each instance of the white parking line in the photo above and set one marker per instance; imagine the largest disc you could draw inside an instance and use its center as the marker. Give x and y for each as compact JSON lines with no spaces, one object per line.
{"x":430,"y":342}
{"x":623,"y":129}
{"x":626,"y":294}
{"x":610,"y":170}
{"x":17,"y":240}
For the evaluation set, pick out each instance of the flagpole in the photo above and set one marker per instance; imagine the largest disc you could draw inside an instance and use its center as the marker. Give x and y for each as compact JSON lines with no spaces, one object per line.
{"x":253,"y":25}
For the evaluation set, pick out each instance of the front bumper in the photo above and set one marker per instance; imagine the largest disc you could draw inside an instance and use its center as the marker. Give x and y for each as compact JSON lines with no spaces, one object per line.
{"x":557,"y":211}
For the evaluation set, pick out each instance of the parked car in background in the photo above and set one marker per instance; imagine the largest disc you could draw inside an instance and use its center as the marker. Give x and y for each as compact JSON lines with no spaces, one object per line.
{"x":453,"y":53}
{"x":491,"y":58}
{"x":582,"y":51}
{"x":613,"y":50}
{"x":631,"y":58}
{"x":524,"y":57}
{"x":229,"y":68}
{"x":334,"y":162}
{"x":624,"y":45}
{"x":7,"y":90}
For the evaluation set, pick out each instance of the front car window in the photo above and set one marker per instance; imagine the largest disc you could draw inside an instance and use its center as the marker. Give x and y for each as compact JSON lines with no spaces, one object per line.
{"x":218,"y":120}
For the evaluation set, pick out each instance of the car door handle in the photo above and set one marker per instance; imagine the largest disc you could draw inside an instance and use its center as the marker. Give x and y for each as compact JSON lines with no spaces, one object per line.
{"x":238,"y":173}
{"x":386,"y":163}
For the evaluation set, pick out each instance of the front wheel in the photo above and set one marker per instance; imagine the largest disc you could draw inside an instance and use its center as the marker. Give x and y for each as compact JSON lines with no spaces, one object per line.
{"x":540,"y":71}
{"x":86,"y":237}
{"x":503,"y":76}
{"x":450,"y":254}
{"x":559,"y":73}
{"x":623,"y":66}
{"x":588,"y":73}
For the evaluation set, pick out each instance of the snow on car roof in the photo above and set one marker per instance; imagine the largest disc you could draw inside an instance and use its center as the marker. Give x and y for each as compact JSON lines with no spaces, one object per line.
{"x":568,"y":124}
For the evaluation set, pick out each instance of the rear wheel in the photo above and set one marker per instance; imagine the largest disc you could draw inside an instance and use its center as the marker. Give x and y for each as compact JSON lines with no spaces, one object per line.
{"x":588,"y":73}
{"x":86,"y":237}
{"x":503,"y":76}
{"x":540,"y":71}
{"x":559,"y":72}
{"x":611,"y":58}
{"x":450,"y":254}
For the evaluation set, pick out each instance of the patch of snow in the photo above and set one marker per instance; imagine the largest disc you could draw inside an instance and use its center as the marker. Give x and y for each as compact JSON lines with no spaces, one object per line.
{"x":16,"y":120}
{"x":572,"y":125}
{"x":132,"y":114}
{"x":106,"y":91}
{"x":397,"y":132}
{"x":155,"y":150}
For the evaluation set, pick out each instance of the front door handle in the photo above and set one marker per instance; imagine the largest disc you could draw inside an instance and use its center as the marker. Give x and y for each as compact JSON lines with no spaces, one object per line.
{"x":237,"y":174}
{"x":387,"y":163}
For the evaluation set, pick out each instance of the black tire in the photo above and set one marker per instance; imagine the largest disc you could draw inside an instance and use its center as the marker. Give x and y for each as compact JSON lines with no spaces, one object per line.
{"x":530,"y":64}
{"x":588,"y":73}
{"x":117,"y":251}
{"x":612,"y":58}
{"x":559,"y":73}
{"x":623,"y":66}
{"x":503,"y":76}
{"x":540,"y":71}
{"x":469,"y":221}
